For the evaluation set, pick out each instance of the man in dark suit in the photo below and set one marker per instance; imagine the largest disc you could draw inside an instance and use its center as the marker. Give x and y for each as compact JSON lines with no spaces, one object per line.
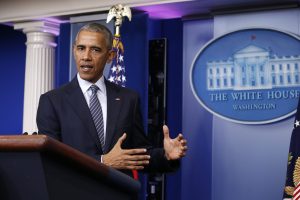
{"x":66,"y":114}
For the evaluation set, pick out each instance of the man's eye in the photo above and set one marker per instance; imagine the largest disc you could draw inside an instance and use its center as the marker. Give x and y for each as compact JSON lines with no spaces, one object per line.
{"x":96,"y":50}
{"x":80,"y":48}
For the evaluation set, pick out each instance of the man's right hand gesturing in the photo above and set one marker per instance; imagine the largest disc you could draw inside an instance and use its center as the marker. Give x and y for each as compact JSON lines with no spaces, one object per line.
{"x":131,"y":159}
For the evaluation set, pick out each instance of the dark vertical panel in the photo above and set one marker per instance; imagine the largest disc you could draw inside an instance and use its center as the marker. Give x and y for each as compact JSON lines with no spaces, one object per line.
{"x":62,"y":56}
{"x":135,"y":40}
{"x":12,"y":65}
{"x":172,"y":30}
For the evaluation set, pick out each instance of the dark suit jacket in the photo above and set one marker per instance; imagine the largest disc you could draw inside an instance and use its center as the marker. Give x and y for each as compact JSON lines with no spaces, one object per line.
{"x":64,"y":115}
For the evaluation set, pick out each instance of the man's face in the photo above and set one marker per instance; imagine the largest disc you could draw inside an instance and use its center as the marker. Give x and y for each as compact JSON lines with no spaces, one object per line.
{"x":91,"y":55}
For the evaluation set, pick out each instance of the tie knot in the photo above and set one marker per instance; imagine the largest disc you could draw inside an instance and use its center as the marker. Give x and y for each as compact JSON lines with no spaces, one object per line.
{"x":94,"y":88}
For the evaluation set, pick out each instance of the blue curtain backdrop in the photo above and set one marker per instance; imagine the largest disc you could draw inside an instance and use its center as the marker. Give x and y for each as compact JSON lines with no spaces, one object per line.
{"x":12,"y":79}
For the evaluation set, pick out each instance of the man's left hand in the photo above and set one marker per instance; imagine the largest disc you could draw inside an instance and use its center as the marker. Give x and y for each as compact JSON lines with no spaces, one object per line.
{"x":174,"y":148}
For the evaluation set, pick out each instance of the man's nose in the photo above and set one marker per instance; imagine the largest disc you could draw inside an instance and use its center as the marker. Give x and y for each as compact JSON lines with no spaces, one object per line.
{"x":86,"y":55}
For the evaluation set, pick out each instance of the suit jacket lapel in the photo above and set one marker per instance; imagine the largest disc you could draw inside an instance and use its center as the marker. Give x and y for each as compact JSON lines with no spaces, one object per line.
{"x":78,"y":102}
{"x":114,"y":102}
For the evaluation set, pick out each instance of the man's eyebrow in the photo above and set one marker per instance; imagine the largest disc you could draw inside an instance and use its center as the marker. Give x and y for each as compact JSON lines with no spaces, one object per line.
{"x":80,"y":45}
{"x":95,"y":47}
{"x":92,"y":47}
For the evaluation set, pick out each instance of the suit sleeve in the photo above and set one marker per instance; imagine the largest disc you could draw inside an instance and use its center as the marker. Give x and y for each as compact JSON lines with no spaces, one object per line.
{"x":158,"y":161}
{"x":47,"y":120}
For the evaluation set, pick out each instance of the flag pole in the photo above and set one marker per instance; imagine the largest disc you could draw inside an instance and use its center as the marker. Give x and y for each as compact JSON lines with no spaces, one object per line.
{"x":118,"y":12}
{"x":117,"y":71}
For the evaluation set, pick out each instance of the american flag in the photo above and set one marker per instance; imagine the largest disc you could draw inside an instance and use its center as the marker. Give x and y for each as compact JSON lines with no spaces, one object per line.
{"x":117,"y":69}
{"x":296,"y":193}
{"x":292,"y":185}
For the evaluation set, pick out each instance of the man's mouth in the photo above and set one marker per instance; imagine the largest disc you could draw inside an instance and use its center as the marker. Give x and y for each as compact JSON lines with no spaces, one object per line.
{"x":86,"y":67}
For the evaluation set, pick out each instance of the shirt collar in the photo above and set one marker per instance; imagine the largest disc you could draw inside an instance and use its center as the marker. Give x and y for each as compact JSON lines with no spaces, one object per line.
{"x":85,"y":85}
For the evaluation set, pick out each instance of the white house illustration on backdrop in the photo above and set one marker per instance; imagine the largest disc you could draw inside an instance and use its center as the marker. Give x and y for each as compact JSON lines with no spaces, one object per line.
{"x":253,"y":68}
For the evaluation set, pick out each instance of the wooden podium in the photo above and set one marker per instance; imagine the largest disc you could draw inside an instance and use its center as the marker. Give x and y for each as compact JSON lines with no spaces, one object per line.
{"x":37,"y":167}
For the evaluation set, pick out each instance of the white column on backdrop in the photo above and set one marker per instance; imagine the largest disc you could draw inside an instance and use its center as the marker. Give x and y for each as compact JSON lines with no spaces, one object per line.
{"x":39,"y":72}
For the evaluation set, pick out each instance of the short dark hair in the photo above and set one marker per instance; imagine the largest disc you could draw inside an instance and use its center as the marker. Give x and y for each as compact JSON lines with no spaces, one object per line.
{"x":99,"y":28}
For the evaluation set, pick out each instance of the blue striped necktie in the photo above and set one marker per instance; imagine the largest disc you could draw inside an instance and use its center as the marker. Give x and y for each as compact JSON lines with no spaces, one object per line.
{"x":97,"y":115}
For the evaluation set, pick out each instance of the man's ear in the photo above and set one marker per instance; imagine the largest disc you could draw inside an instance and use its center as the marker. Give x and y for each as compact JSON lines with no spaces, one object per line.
{"x":111,"y":56}
{"x":74,"y":46}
